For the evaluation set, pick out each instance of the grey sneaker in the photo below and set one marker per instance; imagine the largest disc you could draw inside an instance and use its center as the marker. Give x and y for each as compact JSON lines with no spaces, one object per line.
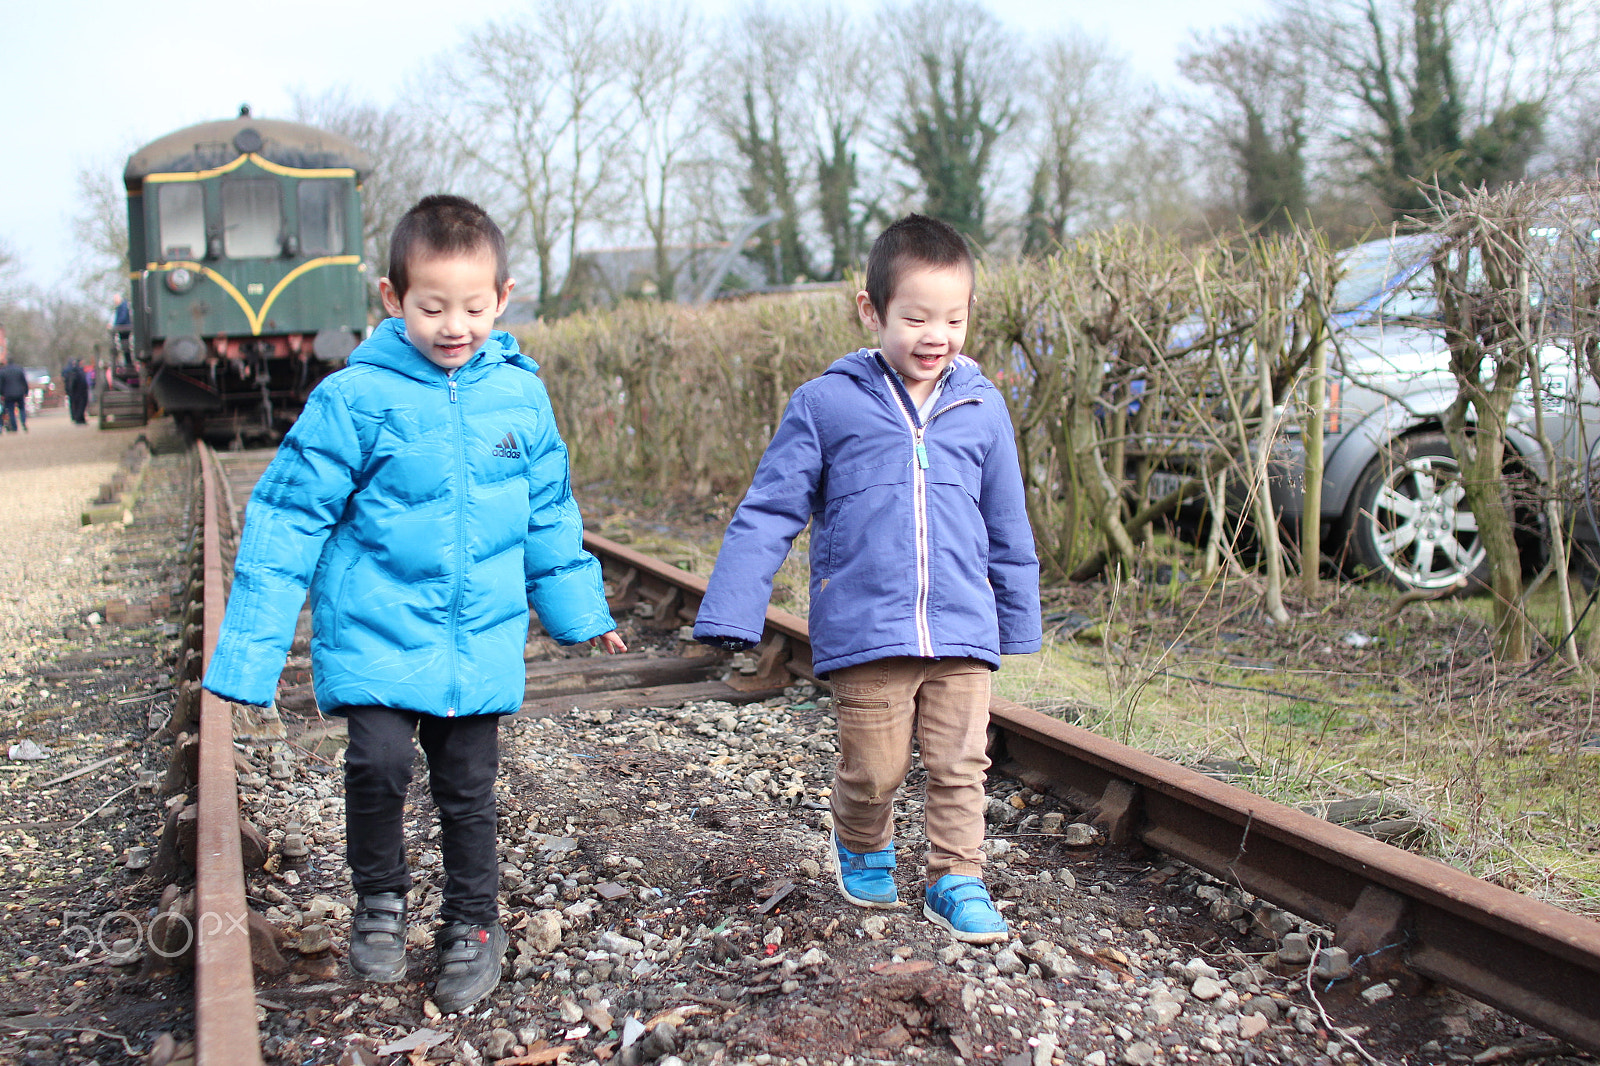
{"x":469,"y":964}
{"x":378,"y":937}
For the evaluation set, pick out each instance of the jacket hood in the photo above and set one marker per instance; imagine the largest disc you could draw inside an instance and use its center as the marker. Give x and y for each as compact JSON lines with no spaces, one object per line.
{"x":863,"y":365}
{"x":390,"y":347}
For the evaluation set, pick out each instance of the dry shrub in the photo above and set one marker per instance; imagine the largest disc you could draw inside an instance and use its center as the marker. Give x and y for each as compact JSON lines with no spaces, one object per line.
{"x":1108,"y":353}
{"x":1126,"y":351}
{"x":670,"y":397}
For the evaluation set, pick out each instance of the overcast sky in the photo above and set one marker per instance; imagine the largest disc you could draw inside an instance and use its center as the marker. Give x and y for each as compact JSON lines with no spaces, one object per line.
{"x":85,"y":82}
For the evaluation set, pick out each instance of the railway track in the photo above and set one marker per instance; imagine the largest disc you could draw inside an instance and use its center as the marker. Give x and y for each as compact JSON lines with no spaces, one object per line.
{"x":1394,"y":910}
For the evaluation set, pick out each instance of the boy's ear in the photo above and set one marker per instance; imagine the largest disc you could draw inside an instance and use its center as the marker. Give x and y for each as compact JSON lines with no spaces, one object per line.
{"x":505,"y":297}
{"x":391,"y":301}
{"x":868,"y":313}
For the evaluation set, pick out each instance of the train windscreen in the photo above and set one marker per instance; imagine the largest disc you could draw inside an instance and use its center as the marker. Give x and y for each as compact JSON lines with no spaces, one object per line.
{"x":181,"y":217}
{"x":252,"y":219}
{"x":321,"y":217}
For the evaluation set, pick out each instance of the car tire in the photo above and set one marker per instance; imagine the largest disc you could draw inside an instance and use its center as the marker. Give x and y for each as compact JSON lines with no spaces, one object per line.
{"x":1409,"y":521}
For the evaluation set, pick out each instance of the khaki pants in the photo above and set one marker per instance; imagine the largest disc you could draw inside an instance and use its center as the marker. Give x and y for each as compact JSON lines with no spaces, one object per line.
{"x":877,"y":705}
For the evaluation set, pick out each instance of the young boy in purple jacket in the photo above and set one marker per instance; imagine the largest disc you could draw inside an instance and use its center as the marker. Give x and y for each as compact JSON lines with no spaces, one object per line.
{"x":923,"y":570}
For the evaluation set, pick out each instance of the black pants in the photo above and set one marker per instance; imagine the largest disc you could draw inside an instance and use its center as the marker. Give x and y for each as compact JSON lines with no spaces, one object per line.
{"x":13,"y":410}
{"x":463,"y":758}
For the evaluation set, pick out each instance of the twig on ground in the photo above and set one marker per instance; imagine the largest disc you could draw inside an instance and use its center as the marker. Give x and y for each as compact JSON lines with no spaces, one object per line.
{"x":104,"y":805}
{"x":1344,"y":1034}
{"x":1420,"y":596}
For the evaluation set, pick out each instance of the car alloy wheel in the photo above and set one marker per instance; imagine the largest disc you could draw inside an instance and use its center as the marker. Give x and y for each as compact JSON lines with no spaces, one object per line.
{"x":1410,"y":521}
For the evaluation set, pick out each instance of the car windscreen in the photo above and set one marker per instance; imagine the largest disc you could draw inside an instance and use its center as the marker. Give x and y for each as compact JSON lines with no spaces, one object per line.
{"x":1373,"y":271}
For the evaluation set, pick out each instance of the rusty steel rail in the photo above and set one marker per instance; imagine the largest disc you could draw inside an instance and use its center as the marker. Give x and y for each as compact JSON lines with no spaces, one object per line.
{"x":1396,"y":909}
{"x":1526,"y":957}
{"x":224,"y":986}
{"x":1393,"y":909}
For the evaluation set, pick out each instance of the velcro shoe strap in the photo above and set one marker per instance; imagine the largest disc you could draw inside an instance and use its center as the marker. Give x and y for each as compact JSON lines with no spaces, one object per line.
{"x":872,"y":860}
{"x":381,"y":922}
{"x":953,"y":896}
{"x":464,"y":951}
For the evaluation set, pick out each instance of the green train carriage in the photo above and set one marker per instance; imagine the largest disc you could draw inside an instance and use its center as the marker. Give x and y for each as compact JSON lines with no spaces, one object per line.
{"x":244,"y":247}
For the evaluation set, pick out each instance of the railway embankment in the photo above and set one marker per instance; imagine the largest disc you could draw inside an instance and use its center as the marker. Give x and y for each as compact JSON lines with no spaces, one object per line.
{"x":665,"y":879}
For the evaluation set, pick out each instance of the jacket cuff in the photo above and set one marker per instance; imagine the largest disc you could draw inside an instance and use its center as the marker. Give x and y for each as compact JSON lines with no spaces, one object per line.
{"x":716,"y":633}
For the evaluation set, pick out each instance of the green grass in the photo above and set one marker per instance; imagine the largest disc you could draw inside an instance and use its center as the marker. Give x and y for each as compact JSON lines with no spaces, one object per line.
{"x":1507,"y":790}
{"x":1501,"y":779}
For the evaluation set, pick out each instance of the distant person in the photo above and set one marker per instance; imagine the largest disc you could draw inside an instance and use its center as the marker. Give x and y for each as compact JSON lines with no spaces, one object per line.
{"x":423,"y":498}
{"x":121,"y":330}
{"x":923,"y":569}
{"x":89,"y":378}
{"x":14,"y":391}
{"x":75,"y":381}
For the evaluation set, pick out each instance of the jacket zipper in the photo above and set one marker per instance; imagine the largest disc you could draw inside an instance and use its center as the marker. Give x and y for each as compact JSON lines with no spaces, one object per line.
{"x":919,"y":500}
{"x":454,"y":700}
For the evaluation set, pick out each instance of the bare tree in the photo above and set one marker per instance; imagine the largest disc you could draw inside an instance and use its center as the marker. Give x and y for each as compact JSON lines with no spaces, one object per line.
{"x":1451,"y":93}
{"x":50,"y":328}
{"x":1258,"y":109}
{"x":10,"y":270}
{"x":548,"y":115}
{"x":757,"y":102}
{"x":1080,"y":100}
{"x":100,"y":226}
{"x":1577,"y":153}
{"x":957,"y":68}
{"x":1150,"y":178}
{"x":662,"y":66}
{"x":1481,"y":273}
{"x":411,"y":158}
{"x":839,"y":78}
{"x":12,"y":290}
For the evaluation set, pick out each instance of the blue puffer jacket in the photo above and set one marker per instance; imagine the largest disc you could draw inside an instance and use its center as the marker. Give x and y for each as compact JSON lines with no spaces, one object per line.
{"x":426,"y":511}
{"x":920,"y":543}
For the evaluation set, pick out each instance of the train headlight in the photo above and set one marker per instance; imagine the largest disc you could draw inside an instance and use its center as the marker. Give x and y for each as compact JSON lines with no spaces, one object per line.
{"x":180,"y":279}
{"x":183,"y":351}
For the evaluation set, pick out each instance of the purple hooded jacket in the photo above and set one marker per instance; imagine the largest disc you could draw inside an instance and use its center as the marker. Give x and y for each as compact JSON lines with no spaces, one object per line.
{"x":920,"y":543}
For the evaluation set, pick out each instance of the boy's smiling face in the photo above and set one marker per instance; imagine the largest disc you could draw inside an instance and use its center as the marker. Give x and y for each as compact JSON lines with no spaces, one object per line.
{"x":924,"y":325}
{"x":450,"y":304}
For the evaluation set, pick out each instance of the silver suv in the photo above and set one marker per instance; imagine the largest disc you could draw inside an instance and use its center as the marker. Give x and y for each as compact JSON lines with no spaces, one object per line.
{"x":1391,"y":486}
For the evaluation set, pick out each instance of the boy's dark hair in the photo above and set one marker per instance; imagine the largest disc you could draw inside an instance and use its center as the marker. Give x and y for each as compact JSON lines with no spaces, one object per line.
{"x":445,"y":225}
{"x":914,"y":238}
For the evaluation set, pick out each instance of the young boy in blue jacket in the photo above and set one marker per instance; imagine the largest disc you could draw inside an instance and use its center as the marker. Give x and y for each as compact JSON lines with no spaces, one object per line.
{"x":923,"y":570}
{"x":423,"y":497}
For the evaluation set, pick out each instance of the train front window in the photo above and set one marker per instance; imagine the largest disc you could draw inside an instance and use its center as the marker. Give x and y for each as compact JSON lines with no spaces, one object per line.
{"x":252,"y":219}
{"x":321,"y":217}
{"x":181,"y":217}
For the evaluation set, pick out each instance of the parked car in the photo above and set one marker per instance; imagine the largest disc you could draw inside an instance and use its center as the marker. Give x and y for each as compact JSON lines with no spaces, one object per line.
{"x":1392,"y":496}
{"x":42,"y":389}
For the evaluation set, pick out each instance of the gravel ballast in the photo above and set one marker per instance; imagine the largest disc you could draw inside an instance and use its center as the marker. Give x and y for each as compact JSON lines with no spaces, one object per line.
{"x":664,"y":879}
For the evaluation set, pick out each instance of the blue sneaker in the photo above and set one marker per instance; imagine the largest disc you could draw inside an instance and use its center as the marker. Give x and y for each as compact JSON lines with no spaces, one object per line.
{"x":865,"y":878}
{"x":962,"y":905}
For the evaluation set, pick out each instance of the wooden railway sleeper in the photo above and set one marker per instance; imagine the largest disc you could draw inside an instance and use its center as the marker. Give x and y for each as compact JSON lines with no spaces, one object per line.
{"x":1374,"y":929}
{"x":625,"y":591}
{"x":192,"y":666}
{"x":1118,"y":811}
{"x":186,"y":709}
{"x":664,"y":608}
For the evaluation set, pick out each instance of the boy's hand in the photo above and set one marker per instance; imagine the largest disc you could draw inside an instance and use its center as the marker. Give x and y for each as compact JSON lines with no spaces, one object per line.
{"x":610,"y":643}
